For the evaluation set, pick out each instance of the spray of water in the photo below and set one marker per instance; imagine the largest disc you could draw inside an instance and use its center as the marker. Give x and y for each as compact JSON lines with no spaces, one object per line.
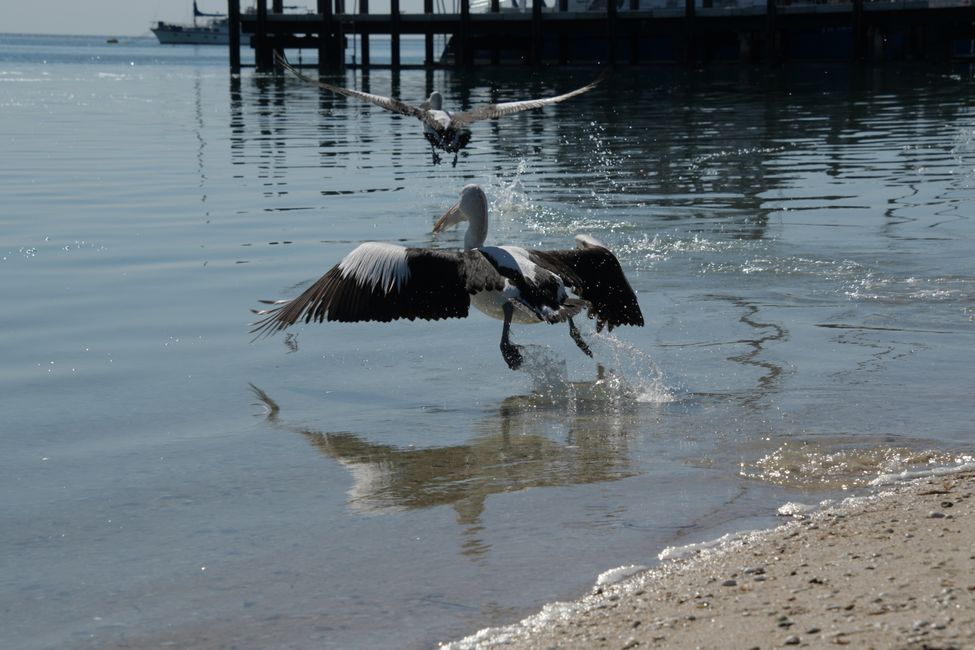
{"x":634,"y":370}
{"x":625,"y":375}
{"x":808,"y":464}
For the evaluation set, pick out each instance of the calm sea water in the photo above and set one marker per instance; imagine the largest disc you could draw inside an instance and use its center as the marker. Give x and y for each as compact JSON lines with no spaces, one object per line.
{"x":801,"y":240}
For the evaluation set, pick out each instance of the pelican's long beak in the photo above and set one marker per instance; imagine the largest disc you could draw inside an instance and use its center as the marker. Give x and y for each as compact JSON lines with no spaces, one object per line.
{"x":451,"y":217}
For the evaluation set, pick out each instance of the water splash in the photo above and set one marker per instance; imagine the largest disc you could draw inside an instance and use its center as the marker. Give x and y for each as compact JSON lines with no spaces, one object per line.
{"x":510,"y":205}
{"x":547,"y":371}
{"x":631,"y":376}
{"x":514,"y":212}
{"x":634,"y":372}
{"x":646,"y":251}
{"x":813,"y":465}
{"x":605,"y":164}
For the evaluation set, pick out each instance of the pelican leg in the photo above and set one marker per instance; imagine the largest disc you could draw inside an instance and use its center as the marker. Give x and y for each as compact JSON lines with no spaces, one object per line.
{"x":577,"y":337}
{"x":456,"y":146}
{"x":510,"y":351}
{"x":436,"y":156}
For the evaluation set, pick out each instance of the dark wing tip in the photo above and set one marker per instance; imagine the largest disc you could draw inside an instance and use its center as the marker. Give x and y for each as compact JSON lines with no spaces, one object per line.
{"x":271,"y":321}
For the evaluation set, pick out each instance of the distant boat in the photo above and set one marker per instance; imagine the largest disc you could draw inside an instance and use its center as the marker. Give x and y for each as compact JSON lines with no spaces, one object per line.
{"x":213,"y":31}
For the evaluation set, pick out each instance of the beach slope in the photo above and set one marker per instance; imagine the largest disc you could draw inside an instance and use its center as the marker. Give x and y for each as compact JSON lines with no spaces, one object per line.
{"x":892,"y":570}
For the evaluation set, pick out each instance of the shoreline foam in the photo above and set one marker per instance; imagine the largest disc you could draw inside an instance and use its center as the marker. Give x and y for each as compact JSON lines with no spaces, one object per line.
{"x":894,"y":569}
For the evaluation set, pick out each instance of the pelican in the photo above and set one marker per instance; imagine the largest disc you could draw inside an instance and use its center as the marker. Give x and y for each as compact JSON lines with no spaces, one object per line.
{"x":384,"y":282}
{"x":442,"y":129}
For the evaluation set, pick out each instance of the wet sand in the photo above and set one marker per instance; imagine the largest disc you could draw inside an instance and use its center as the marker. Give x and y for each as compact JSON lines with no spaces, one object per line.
{"x":892,"y":570}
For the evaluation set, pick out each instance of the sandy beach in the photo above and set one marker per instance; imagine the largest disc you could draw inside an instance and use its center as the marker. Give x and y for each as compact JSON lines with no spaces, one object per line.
{"x":895,"y":569}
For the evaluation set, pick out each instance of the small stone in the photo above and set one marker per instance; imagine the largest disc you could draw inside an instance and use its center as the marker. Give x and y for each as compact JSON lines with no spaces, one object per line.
{"x":813,"y":630}
{"x":792,"y":640}
{"x":729,"y":583}
{"x":934,"y":514}
{"x":632,"y":643}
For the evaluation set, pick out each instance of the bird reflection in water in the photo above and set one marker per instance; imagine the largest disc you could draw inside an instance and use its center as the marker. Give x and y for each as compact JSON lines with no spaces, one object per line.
{"x":508,"y":453}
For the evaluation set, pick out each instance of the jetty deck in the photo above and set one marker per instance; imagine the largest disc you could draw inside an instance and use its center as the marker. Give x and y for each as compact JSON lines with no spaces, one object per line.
{"x":695,"y":31}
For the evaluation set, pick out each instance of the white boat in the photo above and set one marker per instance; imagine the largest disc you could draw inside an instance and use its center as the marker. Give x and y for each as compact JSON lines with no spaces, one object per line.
{"x":622,"y":6}
{"x":214,"y":30}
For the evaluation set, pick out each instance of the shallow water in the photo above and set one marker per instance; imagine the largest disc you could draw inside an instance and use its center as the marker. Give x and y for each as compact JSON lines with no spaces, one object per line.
{"x":800,"y":240}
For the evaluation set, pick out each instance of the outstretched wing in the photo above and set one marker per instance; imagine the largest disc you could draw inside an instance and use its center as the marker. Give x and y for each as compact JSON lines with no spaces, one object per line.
{"x":390,"y":104}
{"x":384,"y":282}
{"x":595,"y":275}
{"x":507,"y":108}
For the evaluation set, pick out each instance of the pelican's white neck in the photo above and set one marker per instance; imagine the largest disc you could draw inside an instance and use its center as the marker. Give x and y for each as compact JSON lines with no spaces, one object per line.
{"x":477,"y":230}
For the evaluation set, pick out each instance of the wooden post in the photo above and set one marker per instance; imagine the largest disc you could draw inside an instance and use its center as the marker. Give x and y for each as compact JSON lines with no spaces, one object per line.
{"x":394,"y":34}
{"x":611,"y":31}
{"x":324,"y":30}
{"x":262,"y":52}
{"x":535,"y":47}
{"x":771,"y":32}
{"x":461,"y":49}
{"x":634,"y":35}
{"x":330,"y":51}
{"x":859,"y":32}
{"x":690,"y":46}
{"x":277,"y":7}
{"x":428,"y":49}
{"x":563,"y":38}
{"x":364,"y":36}
{"x":495,"y":52}
{"x":233,"y":16}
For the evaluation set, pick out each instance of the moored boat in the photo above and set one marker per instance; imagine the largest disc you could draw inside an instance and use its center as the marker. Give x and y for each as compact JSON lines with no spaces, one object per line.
{"x":215,"y":30}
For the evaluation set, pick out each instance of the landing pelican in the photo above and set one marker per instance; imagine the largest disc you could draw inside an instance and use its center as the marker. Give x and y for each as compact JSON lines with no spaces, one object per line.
{"x":442,"y":129}
{"x":384,"y":282}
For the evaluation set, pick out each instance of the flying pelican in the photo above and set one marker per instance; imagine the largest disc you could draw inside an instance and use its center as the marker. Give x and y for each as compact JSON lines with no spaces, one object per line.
{"x":442,"y":129}
{"x":384,"y":282}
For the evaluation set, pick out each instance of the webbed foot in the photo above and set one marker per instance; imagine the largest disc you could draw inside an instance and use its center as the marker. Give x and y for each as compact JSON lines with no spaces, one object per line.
{"x":512,"y":355}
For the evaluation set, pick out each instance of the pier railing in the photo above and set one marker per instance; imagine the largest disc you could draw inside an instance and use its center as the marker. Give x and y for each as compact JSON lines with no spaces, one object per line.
{"x":610,"y":32}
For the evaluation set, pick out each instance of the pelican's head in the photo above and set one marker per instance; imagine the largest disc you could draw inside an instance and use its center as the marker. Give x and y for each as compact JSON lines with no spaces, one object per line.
{"x":434,"y":102}
{"x":471,"y":207}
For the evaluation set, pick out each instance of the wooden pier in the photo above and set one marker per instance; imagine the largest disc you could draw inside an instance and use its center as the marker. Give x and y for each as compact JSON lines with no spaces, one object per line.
{"x":696,"y":32}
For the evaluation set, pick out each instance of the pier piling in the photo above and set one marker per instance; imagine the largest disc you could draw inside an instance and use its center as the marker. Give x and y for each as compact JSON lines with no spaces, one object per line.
{"x":697,"y":32}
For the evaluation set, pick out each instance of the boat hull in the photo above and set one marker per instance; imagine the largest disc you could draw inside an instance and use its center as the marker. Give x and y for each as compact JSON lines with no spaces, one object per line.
{"x":172,"y":34}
